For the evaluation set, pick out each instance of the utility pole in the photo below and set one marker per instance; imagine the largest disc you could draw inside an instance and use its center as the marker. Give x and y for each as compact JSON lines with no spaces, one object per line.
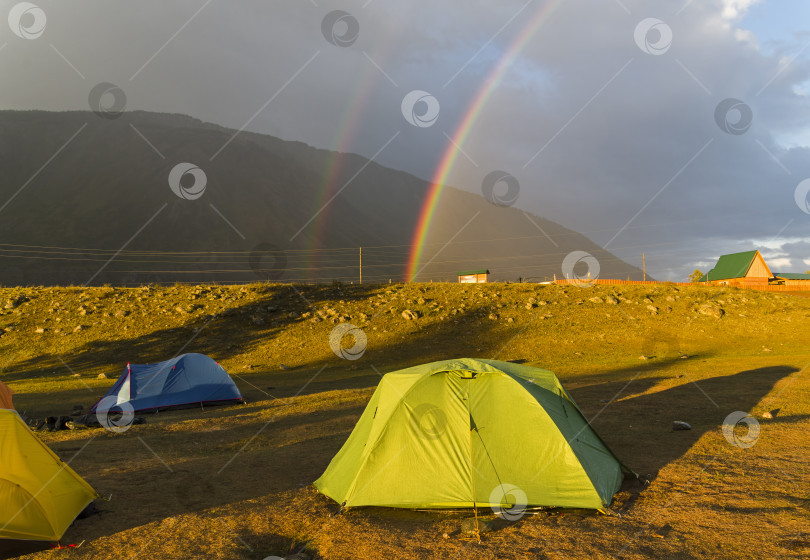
{"x":361,"y":265}
{"x":644,"y":265}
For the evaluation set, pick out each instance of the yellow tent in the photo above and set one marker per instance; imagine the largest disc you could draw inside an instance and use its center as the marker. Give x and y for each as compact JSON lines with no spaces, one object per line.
{"x":40,"y":495}
{"x":5,"y":396}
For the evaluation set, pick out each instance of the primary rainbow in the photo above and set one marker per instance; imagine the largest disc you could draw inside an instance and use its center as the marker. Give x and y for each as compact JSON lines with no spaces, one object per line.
{"x":462,"y":131}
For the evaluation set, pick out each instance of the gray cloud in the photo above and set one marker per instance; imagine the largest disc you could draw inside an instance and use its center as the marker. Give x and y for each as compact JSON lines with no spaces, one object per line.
{"x":615,"y":125}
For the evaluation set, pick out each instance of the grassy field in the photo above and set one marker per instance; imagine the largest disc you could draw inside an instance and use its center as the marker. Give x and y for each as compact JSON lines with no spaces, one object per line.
{"x":235,"y":482}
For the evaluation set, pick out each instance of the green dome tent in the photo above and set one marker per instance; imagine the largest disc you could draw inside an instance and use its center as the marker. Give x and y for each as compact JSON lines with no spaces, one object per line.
{"x":467,"y":433}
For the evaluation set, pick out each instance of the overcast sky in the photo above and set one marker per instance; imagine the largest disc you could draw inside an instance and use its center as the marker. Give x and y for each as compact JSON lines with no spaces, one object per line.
{"x":611,"y":122}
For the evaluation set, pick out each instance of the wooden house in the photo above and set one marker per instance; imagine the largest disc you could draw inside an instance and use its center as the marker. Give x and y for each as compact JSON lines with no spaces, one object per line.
{"x":739,"y":269}
{"x":792,"y":279}
{"x":473,"y":276}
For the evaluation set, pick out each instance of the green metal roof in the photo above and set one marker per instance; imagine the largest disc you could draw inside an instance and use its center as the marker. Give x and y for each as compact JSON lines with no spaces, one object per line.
{"x":466,"y":272}
{"x":734,"y":265}
{"x":792,"y":275}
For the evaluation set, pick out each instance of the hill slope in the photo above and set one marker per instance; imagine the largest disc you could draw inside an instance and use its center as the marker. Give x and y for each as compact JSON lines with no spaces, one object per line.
{"x":74,"y":180}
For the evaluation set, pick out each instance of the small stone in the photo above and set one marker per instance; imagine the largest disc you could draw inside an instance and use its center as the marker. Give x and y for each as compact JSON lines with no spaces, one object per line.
{"x":121,"y":313}
{"x":611,"y":300}
{"x":78,"y":328}
{"x":40,"y":330}
{"x":101,"y":376}
{"x":595,"y":299}
{"x":409,"y":315}
{"x":493,"y":316}
{"x":510,"y":320}
{"x":711,"y":311}
{"x":678,"y":426}
{"x":771,"y":414}
{"x":652,"y":309}
{"x":643,"y":357}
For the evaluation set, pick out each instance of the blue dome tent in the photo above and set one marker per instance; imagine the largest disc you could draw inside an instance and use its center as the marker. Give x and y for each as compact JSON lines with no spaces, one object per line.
{"x":188,"y":379}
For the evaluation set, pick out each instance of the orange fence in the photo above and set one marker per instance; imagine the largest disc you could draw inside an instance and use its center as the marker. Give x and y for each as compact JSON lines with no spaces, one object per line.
{"x":743,"y":285}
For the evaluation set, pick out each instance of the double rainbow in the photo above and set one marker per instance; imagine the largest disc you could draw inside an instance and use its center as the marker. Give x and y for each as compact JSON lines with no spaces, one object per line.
{"x":462,"y":131}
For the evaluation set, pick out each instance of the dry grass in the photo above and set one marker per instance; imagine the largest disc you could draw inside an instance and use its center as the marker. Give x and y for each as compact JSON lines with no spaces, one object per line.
{"x":234,"y":482}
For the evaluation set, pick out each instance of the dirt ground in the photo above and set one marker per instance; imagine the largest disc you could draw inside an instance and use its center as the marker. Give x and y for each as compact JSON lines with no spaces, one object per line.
{"x":235,"y":481}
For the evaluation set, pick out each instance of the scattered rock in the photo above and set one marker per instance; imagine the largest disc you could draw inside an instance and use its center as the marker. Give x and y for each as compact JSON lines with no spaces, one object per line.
{"x":409,"y":315}
{"x":282,"y":366}
{"x":678,"y":426}
{"x":611,"y":300}
{"x":40,"y":330}
{"x":595,"y":299}
{"x":652,"y":309}
{"x":493,"y":316}
{"x":711,"y":310}
{"x":643,"y":357}
{"x":684,"y":356}
{"x":101,"y":376}
{"x":121,"y":313}
{"x":771,"y":414}
{"x":78,"y":328}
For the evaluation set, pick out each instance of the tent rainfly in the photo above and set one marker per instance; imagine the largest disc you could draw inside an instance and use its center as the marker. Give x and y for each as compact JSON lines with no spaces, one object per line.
{"x":40,"y":495}
{"x":185,"y":380}
{"x":464,"y":433}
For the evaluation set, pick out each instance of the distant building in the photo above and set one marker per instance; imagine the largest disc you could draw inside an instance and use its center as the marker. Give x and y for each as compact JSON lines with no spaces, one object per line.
{"x":793,"y":279}
{"x":739,"y":269}
{"x":473,"y":276}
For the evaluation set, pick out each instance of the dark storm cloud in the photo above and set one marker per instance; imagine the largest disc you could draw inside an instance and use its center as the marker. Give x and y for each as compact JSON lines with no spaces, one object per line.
{"x":604,"y":138}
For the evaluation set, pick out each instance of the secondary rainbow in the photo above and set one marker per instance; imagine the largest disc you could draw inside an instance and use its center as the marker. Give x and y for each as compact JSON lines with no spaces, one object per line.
{"x":463,"y":130}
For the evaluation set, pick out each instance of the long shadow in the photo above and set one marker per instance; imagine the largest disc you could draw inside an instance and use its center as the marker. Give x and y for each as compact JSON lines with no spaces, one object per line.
{"x":639,"y":428}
